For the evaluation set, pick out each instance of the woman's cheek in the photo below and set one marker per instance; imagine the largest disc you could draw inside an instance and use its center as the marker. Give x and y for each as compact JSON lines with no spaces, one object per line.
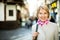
{"x":39,"y":17}
{"x":46,"y":16}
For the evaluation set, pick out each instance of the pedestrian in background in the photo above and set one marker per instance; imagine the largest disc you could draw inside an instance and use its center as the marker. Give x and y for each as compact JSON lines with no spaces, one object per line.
{"x":46,"y":29}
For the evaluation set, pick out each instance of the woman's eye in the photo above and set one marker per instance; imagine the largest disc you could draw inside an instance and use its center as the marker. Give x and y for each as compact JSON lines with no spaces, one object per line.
{"x":45,"y":13}
{"x":40,"y":13}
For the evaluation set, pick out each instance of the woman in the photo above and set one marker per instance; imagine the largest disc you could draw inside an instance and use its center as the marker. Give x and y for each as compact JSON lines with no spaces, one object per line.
{"x":46,"y":29}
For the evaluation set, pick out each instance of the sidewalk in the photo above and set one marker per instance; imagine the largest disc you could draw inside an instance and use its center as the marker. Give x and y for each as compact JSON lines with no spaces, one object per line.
{"x":17,"y":34}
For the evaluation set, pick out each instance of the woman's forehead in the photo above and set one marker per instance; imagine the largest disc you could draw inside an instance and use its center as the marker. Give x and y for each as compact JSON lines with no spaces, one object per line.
{"x":42,"y":10}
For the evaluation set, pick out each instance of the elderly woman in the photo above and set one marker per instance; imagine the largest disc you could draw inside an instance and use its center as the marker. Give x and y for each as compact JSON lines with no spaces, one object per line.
{"x":46,"y":29}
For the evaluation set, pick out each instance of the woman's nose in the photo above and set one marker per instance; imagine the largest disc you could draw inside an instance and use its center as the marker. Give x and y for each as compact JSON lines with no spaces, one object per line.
{"x":43,"y":15}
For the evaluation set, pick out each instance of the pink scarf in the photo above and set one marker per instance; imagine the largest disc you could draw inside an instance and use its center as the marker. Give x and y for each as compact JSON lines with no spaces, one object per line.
{"x":39,"y":22}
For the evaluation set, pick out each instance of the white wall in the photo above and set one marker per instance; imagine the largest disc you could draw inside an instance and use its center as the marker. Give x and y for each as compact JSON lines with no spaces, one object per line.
{"x":33,"y":5}
{"x":11,"y":18}
{"x":1,"y":12}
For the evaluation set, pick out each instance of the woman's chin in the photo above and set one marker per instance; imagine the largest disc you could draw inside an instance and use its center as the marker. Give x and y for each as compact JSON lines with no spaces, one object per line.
{"x":43,"y":20}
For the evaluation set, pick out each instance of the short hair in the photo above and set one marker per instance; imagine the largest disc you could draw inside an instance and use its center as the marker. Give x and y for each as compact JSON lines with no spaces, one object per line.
{"x":45,"y":8}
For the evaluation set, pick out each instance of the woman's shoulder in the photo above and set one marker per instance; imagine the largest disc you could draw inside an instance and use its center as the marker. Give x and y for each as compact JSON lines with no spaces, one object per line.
{"x":34,"y":26}
{"x":53,"y":24}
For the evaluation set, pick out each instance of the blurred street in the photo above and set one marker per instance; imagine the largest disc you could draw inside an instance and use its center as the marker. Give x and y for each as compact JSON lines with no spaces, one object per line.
{"x":18,"y":16}
{"x":17,"y":34}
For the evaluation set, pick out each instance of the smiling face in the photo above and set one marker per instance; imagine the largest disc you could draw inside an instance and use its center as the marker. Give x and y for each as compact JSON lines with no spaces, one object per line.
{"x":43,"y":15}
